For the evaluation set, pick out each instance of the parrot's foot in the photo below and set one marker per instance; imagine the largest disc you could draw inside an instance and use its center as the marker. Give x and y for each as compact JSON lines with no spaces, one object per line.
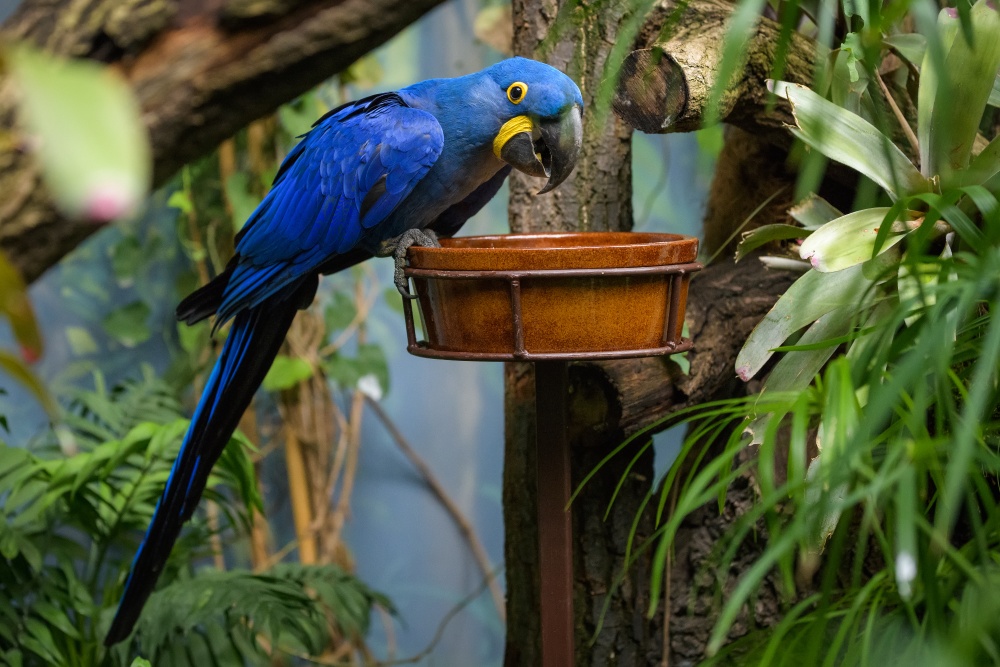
{"x":397,"y":247}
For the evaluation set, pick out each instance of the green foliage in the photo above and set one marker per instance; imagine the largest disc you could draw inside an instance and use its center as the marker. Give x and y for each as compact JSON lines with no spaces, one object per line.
{"x":223,"y":615}
{"x":129,"y":324}
{"x":876,"y":435}
{"x":286,"y":372}
{"x":69,"y":525}
{"x":369,"y":361}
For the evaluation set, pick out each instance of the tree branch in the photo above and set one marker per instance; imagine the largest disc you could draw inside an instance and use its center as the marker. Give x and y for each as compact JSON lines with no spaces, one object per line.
{"x":201,"y":70}
{"x":666,"y":86}
{"x":464,"y":525}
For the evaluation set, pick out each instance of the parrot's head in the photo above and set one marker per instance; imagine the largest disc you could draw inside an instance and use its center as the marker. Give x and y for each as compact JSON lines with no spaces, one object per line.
{"x":539,"y":109}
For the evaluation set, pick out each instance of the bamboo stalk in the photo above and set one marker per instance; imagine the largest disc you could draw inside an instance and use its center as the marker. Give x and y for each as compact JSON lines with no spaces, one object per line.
{"x":260,"y":529}
{"x":298,"y":489}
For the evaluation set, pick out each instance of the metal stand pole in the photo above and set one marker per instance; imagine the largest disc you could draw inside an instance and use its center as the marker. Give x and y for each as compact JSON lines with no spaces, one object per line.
{"x":555,"y":525}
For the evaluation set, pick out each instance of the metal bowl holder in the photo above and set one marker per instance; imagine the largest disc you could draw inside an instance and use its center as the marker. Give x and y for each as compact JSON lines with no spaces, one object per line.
{"x":555,"y":525}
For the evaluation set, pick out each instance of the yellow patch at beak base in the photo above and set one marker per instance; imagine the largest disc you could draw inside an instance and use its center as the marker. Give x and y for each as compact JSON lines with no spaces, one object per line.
{"x":512,"y":127}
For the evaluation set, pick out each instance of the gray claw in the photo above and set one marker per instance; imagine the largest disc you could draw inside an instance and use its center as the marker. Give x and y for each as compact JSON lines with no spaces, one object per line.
{"x":397,"y":249}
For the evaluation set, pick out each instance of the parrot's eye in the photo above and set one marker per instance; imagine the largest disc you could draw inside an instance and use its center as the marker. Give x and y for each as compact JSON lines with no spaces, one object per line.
{"x":516,"y":92}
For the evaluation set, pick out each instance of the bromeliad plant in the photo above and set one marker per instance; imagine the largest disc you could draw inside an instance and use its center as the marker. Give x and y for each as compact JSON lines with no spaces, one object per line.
{"x":878,"y":476}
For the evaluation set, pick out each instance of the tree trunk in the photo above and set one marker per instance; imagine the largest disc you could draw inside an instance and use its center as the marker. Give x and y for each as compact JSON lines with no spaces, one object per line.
{"x":596,"y":197}
{"x":613,"y":400}
{"x":200,"y":70}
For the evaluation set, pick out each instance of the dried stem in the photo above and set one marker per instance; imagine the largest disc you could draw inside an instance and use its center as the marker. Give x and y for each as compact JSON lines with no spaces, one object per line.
{"x":342,"y":508}
{"x":362,"y":309}
{"x":452,"y":613}
{"x":903,"y":123}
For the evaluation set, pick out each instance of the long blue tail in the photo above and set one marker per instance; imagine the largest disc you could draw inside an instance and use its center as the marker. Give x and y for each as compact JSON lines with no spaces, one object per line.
{"x":253,"y":342}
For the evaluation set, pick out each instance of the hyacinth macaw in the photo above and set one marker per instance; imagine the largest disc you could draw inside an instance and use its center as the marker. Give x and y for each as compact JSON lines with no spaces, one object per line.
{"x":372,"y":178}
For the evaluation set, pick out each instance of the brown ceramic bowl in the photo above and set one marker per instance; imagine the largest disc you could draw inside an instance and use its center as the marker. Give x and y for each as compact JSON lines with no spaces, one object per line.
{"x":548,"y":296}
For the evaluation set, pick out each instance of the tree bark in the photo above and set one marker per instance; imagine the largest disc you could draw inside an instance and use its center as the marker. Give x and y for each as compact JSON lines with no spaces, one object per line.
{"x":613,"y":400}
{"x":200,"y":69}
{"x":596,"y":197}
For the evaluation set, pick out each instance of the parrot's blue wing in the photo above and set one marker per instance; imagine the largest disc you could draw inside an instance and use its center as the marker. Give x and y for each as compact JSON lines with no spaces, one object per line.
{"x":345,"y":177}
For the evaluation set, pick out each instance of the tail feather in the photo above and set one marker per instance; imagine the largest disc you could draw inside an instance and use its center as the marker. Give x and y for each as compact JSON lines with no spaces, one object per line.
{"x":253,"y":342}
{"x":204,"y":301}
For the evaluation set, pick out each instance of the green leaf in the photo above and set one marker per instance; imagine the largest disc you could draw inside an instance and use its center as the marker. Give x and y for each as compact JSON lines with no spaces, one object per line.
{"x":934,"y":83}
{"x":298,"y":117}
{"x":340,"y":313}
{"x":982,"y":167}
{"x":128,"y":324}
{"x":42,"y":641}
{"x":758,"y":237}
{"x":127,"y":257}
{"x":994,"y":100}
{"x":241,"y":200}
{"x":849,"y":81}
{"x":286,"y":372}
{"x":193,"y":337}
{"x":850,"y":240}
{"x":813,"y":212}
{"x":291,"y":606}
{"x":910,"y":46}
{"x":958,"y":106}
{"x":907,"y":509}
{"x":80,"y":341}
{"x":15,"y":304}
{"x":810,"y":297}
{"x":92,"y":142}
{"x":181,"y":200}
{"x":140,"y":662}
{"x":55,"y":617}
{"x":797,"y":368}
{"x":369,"y":361}
{"x":851,"y":140}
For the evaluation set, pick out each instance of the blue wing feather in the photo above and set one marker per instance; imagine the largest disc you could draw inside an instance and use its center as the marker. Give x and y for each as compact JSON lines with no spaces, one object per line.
{"x":311,"y":216}
{"x":298,"y":226}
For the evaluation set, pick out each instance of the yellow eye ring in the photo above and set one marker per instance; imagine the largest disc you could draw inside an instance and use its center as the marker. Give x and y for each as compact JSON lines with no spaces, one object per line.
{"x":516,"y":92}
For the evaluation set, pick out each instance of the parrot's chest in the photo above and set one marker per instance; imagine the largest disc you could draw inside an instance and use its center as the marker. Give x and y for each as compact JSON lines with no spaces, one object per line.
{"x":449,"y":182}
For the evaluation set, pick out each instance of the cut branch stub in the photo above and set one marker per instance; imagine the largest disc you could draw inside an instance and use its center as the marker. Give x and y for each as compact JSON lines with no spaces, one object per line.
{"x":652,"y":91}
{"x":668,"y":84}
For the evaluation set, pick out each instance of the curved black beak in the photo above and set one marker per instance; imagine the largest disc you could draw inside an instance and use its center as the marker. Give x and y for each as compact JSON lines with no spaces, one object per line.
{"x":547,"y":148}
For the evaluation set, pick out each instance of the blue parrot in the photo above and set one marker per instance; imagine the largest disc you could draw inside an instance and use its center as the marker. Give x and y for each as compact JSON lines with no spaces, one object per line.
{"x":371,"y":178}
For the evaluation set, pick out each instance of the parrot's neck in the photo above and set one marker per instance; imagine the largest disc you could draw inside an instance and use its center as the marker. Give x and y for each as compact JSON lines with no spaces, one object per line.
{"x":466,"y":109}
{"x":470,"y":122}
